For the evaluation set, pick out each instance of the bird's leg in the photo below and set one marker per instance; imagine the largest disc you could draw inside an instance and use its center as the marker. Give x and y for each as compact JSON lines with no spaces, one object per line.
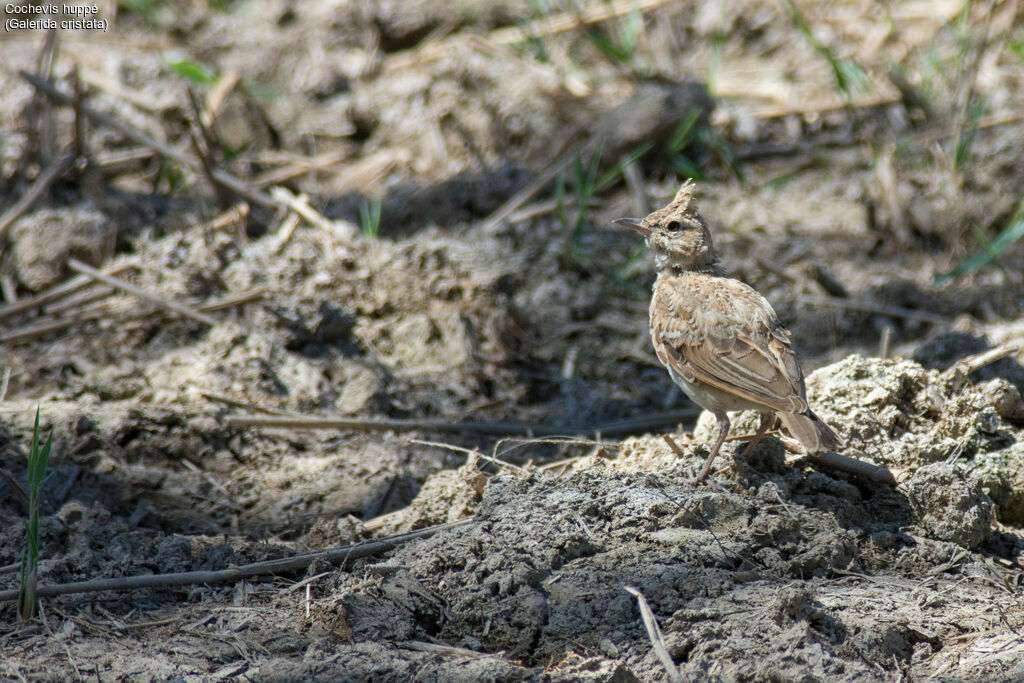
{"x":767,"y":420}
{"x":723,"y":431}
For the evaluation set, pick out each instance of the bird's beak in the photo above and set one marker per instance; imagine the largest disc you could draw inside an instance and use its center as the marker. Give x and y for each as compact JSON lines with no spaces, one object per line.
{"x":634,"y":224}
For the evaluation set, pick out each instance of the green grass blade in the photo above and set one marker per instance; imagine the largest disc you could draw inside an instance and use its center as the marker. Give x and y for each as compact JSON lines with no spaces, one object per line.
{"x":193,"y":71}
{"x":987,"y":254}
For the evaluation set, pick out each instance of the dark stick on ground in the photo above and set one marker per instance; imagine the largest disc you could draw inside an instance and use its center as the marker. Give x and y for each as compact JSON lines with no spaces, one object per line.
{"x":341,"y":554}
{"x":657,"y":640}
{"x":618,"y":428}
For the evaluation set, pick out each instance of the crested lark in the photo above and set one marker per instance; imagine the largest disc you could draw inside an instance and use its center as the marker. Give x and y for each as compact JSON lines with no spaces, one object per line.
{"x":719,"y":339}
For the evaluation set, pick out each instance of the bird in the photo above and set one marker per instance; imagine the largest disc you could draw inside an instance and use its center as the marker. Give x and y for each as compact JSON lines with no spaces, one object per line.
{"x":720,"y":340}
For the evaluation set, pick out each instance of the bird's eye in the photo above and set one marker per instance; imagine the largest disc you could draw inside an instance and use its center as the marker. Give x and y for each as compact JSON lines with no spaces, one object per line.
{"x":674,"y":226}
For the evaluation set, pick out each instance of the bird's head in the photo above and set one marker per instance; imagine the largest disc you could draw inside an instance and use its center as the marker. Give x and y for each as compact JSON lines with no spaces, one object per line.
{"x":677,"y":233}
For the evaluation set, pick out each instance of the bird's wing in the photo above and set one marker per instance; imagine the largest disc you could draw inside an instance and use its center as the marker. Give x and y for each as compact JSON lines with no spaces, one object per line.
{"x":726,"y":335}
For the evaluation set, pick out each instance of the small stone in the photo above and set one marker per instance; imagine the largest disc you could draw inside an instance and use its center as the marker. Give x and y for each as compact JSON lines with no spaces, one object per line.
{"x":608,"y":648}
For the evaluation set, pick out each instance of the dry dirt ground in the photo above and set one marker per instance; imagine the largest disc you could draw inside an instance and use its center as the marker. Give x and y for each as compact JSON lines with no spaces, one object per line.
{"x":849,"y":158}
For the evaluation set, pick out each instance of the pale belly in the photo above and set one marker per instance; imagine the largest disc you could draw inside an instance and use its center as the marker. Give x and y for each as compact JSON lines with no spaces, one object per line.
{"x":710,"y":398}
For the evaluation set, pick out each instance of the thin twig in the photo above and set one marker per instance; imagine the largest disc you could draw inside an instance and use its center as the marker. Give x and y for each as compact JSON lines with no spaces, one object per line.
{"x":232,"y":300}
{"x":958,"y":374}
{"x":79,"y":301}
{"x":545,"y":176}
{"x":43,"y":328}
{"x":234,"y":184}
{"x":285,"y":231}
{"x":820,"y":107}
{"x":667,"y":438}
{"x":471,"y":453}
{"x":217,"y":95}
{"x":885,"y":343}
{"x":198,"y":132}
{"x":657,"y":640}
{"x":301,"y":206}
{"x":25,"y":202}
{"x":440,"y":648}
{"x":236,"y":214}
{"x":340,"y":554}
{"x":240,"y":403}
{"x":9,"y":288}
{"x":629,"y":426}
{"x":58,"y":291}
{"x":214,"y":483}
{"x":187,"y":311}
{"x":5,"y":382}
{"x":513,"y":35}
{"x":880,"y":309}
{"x":299,"y":167}
{"x":80,"y":148}
{"x":44,"y":71}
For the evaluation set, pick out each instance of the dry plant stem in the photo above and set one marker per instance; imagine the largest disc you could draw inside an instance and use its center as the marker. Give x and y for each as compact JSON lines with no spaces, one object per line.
{"x":174,"y":306}
{"x":471,"y":453}
{"x":25,"y":202}
{"x":819,"y":107}
{"x":539,"y":183}
{"x":204,"y":151}
{"x":420,"y":646}
{"x":864,"y":470}
{"x":58,"y":291}
{"x":445,"y":426}
{"x":300,"y":205}
{"x":217,"y":95}
{"x":298,"y":168}
{"x":285,"y":231}
{"x":894,"y":311}
{"x":44,"y":328}
{"x":44,"y":69}
{"x":538,"y":28}
{"x":657,"y":640}
{"x":4,"y":383}
{"x":229,"y":181}
{"x":884,"y":344}
{"x":959,"y":373}
{"x":232,"y":300}
{"x":9,"y":288}
{"x":80,"y":131}
{"x":236,"y":214}
{"x":544,"y":176}
{"x":340,"y":554}
{"x":969,"y":77}
{"x":673,"y":445}
{"x":239,"y":403}
{"x":78,"y":301}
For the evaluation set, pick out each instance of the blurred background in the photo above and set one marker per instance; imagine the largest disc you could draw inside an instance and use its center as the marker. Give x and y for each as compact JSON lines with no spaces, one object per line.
{"x":401,"y":210}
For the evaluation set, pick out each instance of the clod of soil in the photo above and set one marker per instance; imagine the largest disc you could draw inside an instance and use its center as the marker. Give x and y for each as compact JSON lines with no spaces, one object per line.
{"x":45,"y":239}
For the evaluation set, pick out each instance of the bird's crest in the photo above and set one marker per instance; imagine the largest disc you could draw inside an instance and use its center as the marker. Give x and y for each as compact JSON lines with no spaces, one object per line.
{"x":681,"y":203}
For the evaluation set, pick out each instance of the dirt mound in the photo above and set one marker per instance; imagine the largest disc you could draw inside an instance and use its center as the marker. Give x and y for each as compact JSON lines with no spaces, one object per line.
{"x":783,"y":572}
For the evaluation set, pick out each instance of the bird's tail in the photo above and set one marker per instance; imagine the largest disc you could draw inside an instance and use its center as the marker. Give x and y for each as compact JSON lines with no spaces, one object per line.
{"x":815,"y":435}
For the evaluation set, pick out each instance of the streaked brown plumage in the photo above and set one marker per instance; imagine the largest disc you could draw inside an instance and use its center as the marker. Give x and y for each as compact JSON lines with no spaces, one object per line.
{"x":719,"y":339}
